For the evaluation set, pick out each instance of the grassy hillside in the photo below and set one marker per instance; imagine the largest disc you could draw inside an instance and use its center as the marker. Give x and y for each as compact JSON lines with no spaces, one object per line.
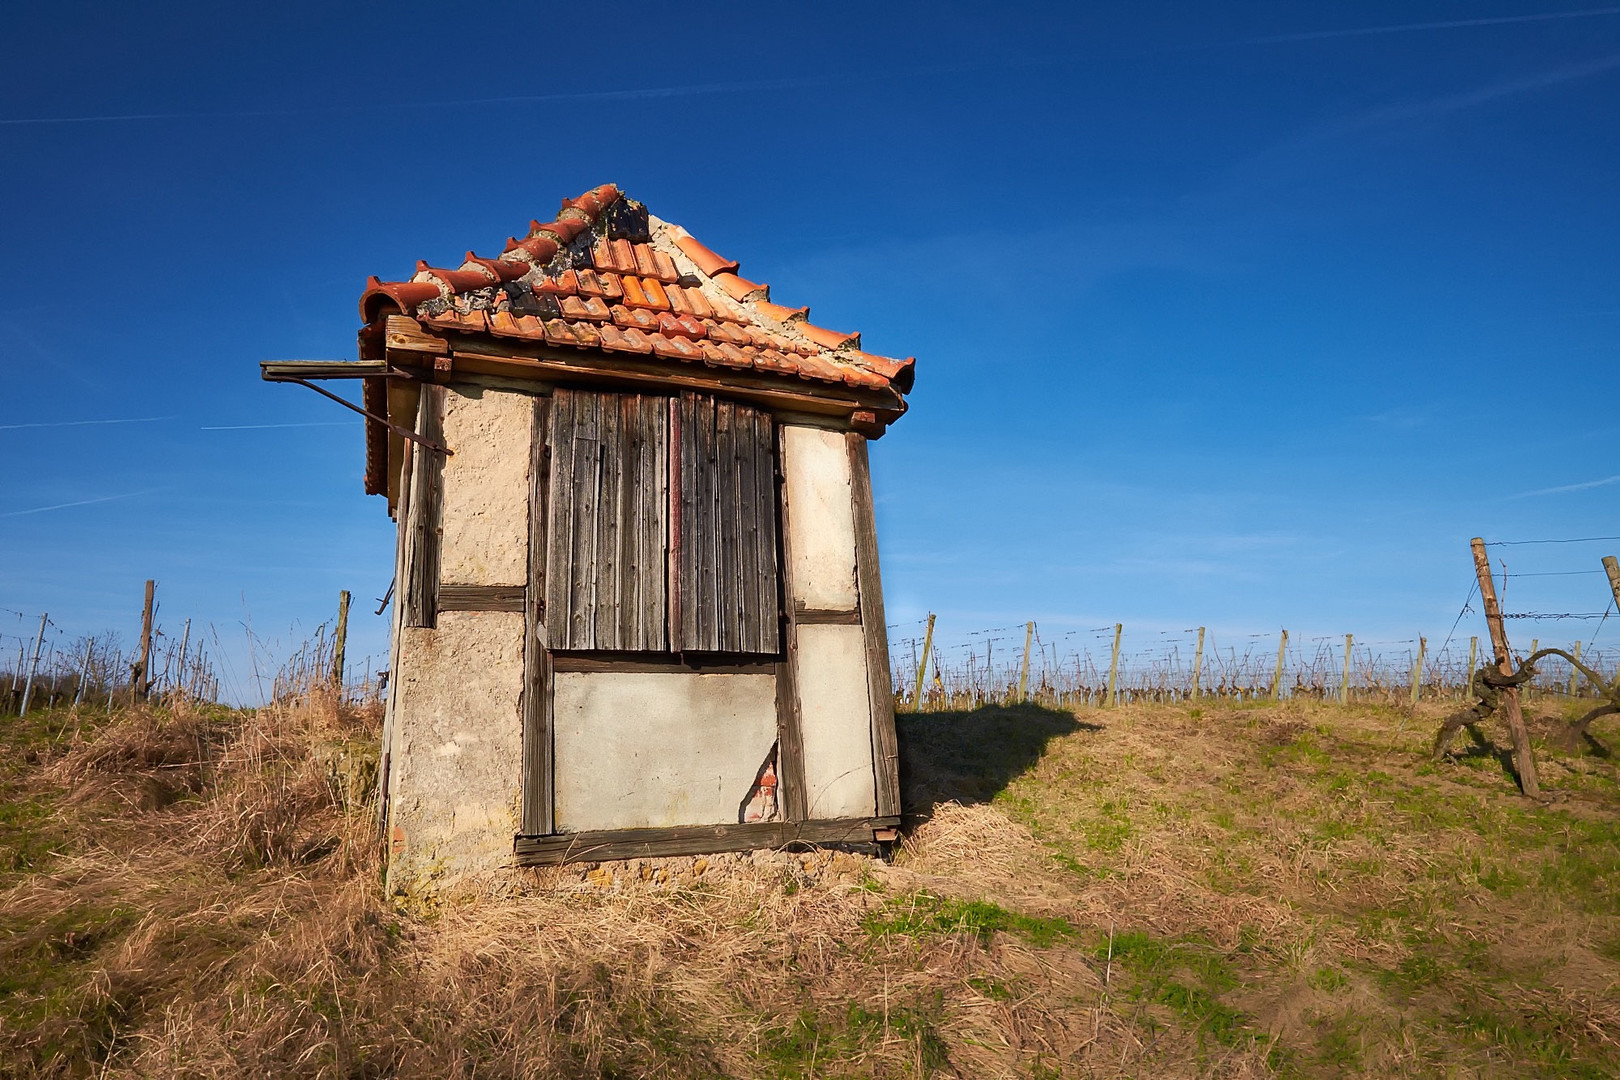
{"x":1148,"y":891}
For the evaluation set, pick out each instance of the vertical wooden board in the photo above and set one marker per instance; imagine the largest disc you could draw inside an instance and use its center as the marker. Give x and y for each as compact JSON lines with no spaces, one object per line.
{"x":727,"y":573}
{"x":686,"y":576}
{"x":880,"y":685}
{"x":587,"y":499}
{"x":428,"y":480}
{"x":747,"y":526}
{"x":536,"y":817}
{"x":559,"y":518}
{"x":765,"y":514}
{"x":655,"y":523}
{"x":714,"y":606}
{"x":609,"y":509}
{"x":673,"y":564}
{"x":701,"y":535}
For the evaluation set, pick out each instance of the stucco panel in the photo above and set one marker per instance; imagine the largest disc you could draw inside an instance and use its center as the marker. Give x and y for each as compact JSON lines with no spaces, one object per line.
{"x":485,"y":523}
{"x":456,"y":768}
{"x":821,"y":519}
{"x":646,"y":749}
{"x":835,"y":714}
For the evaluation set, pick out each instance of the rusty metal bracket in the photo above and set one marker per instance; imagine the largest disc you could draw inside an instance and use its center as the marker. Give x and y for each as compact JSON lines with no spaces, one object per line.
{"x":404,"y":433}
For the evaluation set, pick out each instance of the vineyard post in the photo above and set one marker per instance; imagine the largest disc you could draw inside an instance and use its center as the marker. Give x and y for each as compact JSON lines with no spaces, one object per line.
{"x":1198,"y":663}
{"x":1529,"y":687}
{"x":1523,"y":759}
{"x":1473,"y":662}
{"x":84,"y":672}
{"x":180,"y":672}
{"x":1113,"y":667}
{"x":1574,"y":672}
{"x":340,"y":640}
{"x":1023,"y":673}
{"x":33,"y":666}
{"x":1276,"y":676}
{"x":1611,"y":566}
{"x":1417,"y":668}
{"x":139,"y":669}
{"x":922,"y":665}
{"x":1344,"y":676}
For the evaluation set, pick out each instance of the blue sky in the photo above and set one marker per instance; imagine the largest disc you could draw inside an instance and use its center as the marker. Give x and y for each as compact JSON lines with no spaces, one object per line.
{"x":1246,"y":316}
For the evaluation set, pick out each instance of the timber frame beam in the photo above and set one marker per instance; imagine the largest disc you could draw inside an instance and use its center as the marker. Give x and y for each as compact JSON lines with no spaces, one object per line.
{"x":613,"y":844}
{"x":408,"y":346}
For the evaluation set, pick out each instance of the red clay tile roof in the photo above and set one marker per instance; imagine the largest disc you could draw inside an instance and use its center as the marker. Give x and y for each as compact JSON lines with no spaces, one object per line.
{"x":607,"y":276}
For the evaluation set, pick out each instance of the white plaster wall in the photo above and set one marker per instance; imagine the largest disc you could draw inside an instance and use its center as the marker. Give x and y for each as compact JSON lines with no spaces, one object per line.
{"x":457,"y":753}
{"x":485,"y":524}
{"x":821,"y":519}
{"x":645,"y":749}
{"x":835,"y":716}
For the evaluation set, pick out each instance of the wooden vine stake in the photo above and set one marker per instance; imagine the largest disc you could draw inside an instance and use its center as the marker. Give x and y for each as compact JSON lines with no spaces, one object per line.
{"x":1524,"y":760}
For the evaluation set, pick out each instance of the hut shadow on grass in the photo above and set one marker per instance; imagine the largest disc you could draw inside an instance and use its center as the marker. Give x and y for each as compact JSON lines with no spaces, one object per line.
{"x":967,"y":757}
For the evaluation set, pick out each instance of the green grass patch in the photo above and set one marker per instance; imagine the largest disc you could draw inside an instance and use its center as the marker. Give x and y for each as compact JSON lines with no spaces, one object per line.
{"x":922,"y":913}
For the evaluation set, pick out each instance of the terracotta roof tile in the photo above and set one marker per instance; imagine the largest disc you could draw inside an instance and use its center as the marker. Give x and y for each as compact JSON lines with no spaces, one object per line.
{"x":610,"y":280}
{"x":628,"y":340}
{"x":696,"y":303}
{"x":639,"y":318}
{"x":562,"y":332}
{"x":704,"y":259}
{"x":454,"y":281}
{"x":680,"y":326}
{"x":829,"y":339}
{"x":539,"y":250}
{"x":655,"y":293}
{"x":591,"y":307}
{"x":566,"y":282}
{"x":741,"y":288}
{"x":678,"y":347}
{"x":783,"y":314}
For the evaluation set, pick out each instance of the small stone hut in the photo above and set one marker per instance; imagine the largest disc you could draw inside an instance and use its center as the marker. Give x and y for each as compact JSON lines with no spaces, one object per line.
{"x":637,"y":609}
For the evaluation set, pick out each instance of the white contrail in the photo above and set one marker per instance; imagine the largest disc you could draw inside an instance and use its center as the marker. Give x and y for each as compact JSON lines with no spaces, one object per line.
{"x":80,"y":423}
{"x":1605,"y":482}
{"x":1448,"y":24}
{"x":81,"y":502}
{"x":262,"y":427}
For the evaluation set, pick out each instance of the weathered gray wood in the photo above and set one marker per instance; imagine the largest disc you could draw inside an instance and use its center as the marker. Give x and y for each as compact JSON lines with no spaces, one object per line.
{"x":612,"y":844}
{"x":705,"y":528}
{"x":538,"y":804}
{"x":825,"y":617}
{"x":673,"y":569}
{"x":770,"y":598}
{"x":1524,"y":758}
{"x":610,"y":507}
{"x":559,"y":499}
{"x":749,"y":614}
{"x":481,"y":597}
{"x":427,"y":479}
{"x":657,"y":533}
{"x":869,"y":584}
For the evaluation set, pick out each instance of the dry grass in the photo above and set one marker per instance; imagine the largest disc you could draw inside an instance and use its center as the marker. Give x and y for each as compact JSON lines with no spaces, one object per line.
{"x":1143,"y":891}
